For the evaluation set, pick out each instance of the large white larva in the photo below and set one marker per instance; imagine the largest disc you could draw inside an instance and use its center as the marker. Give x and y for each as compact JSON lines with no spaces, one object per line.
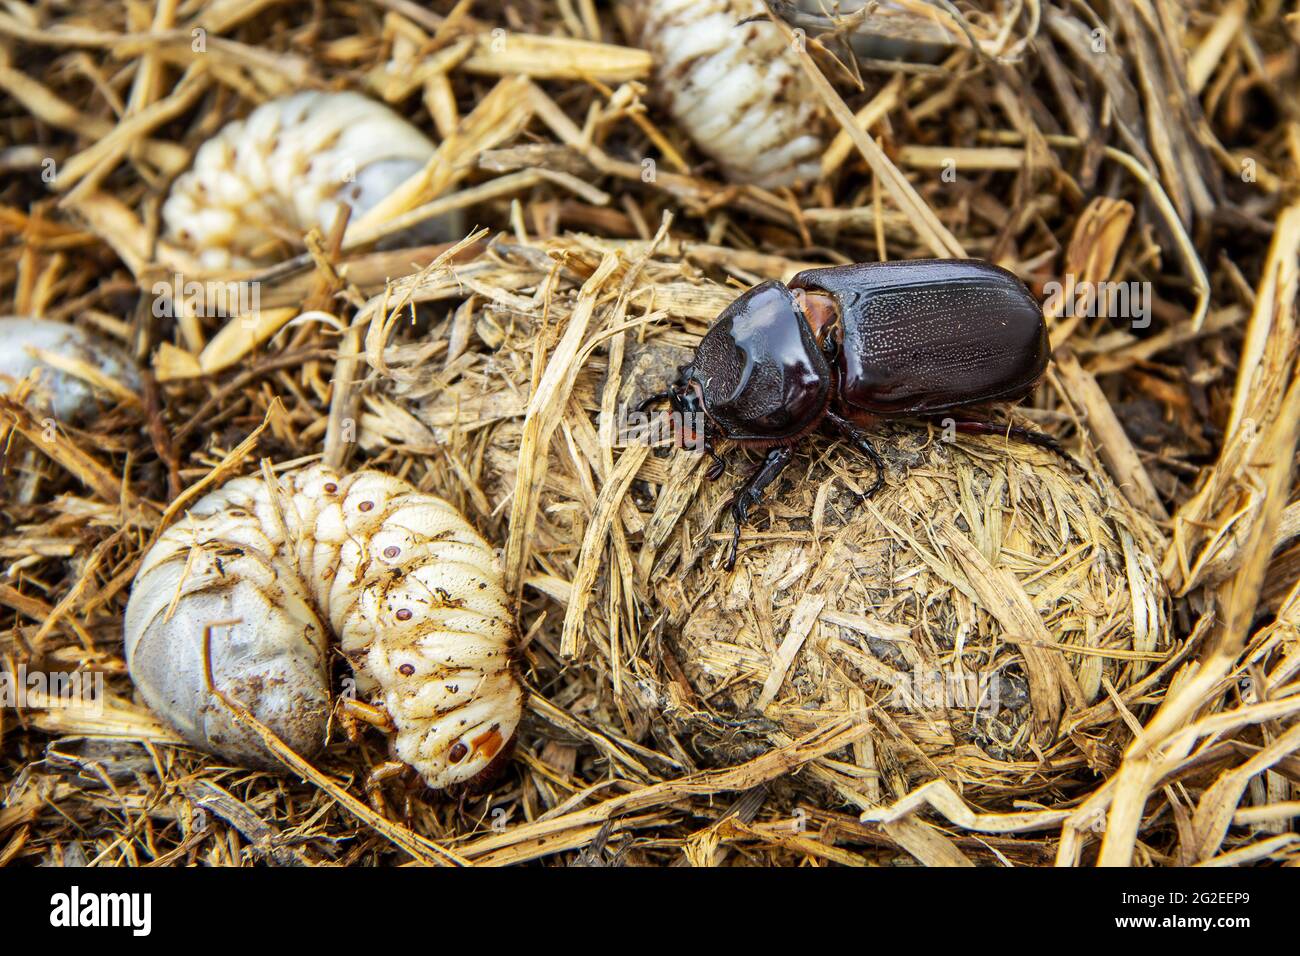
{"x":57,"y":393}
{"x":737,"y":90}
{"x":285,"y":169}
{"x":412,"y":592}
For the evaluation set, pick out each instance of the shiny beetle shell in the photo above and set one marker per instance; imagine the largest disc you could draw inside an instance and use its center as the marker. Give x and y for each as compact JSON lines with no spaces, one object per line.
{"x":411,"y":591}
{"x":286,"y":169}
{"x":926,"y":335}
{"x":766,"y":375}
{"x":58,"y":393}
{"x":849,"y":345}
{"x":736,"y":89}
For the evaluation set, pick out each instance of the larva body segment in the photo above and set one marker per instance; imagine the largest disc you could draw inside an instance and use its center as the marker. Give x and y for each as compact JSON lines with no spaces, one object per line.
{"x":285,"y":169}
{"x":416,"y":599}
{"x":736,"y":89}
{"x":222,"y":565}
{"x":57,"y":393}
{"x":411,"y":591}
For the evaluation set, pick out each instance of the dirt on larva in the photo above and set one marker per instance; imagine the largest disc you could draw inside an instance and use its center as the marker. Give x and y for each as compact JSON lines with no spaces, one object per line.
{"x":1002,"y":657}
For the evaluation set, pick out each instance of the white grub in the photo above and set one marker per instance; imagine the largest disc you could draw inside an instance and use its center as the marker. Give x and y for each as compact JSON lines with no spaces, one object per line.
{"x":410,"y":590}
{"x":66,"y":397}
{"x":737,"y":90}
{"x":287,"y":168}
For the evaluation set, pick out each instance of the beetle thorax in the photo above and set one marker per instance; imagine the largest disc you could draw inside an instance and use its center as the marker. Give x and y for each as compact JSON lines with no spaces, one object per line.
{"x":761,"y":372}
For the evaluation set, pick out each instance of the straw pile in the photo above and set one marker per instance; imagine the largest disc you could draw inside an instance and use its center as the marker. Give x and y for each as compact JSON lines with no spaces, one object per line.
{"x":1137,"y":623}
{"x":943,"y":609}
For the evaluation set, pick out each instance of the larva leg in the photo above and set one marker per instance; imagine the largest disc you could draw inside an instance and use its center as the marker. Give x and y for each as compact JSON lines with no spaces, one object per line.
{"x":393,"y":771}
{"x":388,"y":770}
{"x":358,"y":710}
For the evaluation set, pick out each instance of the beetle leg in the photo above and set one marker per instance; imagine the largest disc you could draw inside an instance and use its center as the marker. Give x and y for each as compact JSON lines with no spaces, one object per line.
{"x":752,"y":493}
{"x":859,"y":438}
{"x":1027,"y":435}
{"x":717,"y":466}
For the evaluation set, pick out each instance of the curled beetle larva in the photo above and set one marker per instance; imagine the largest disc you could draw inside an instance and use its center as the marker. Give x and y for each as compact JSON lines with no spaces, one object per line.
{"x":411,"y":591}
{"x":58,"y":393}
{"x":736,"y":89}
{"x":285,"y":169}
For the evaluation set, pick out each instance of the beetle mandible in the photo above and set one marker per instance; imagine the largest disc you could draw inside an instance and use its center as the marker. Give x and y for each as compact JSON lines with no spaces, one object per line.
{"x":854,"y":344}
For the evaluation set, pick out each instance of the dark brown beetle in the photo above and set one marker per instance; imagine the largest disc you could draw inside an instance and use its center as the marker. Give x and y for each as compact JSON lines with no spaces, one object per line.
{"x":854,"y":344}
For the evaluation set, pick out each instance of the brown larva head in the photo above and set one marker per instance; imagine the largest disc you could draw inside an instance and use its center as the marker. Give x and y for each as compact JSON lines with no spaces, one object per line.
{"x":486,"y":778}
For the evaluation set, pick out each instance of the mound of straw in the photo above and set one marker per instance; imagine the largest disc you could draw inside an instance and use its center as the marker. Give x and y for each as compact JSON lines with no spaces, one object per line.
{"x":987,"y":613}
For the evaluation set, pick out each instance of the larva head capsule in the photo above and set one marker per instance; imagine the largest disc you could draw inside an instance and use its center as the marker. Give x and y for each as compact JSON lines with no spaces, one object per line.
{"x":288,"y":167}
{"x":454,"y":722}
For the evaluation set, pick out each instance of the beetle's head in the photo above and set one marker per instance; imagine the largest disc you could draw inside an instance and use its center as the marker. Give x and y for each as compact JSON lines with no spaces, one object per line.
{"x":692,"y":427}
{"x":760,"y":374}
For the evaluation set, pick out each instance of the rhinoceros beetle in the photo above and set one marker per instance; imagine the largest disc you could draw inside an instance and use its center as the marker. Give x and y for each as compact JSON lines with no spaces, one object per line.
{"x":853,"y":344}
